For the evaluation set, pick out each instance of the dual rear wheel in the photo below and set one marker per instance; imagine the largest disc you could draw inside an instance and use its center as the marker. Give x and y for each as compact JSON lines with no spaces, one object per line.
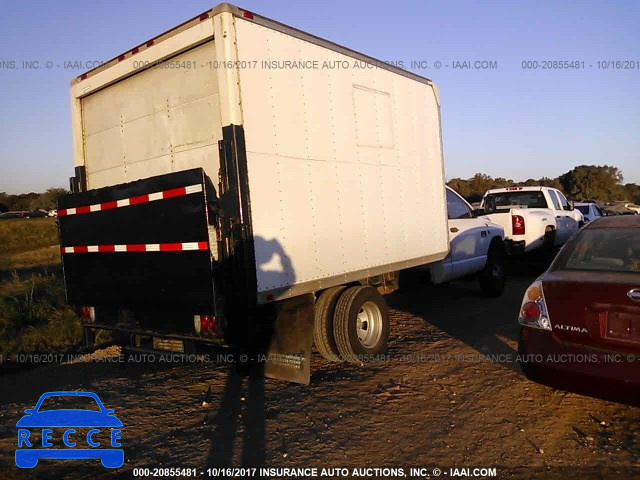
{"x":351,"y":324}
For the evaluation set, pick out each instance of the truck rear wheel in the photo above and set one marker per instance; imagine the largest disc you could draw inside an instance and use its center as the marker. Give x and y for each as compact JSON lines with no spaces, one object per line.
{"x":323,"y":323}
{"x":361,"y":324}
{"x":492,"y":277}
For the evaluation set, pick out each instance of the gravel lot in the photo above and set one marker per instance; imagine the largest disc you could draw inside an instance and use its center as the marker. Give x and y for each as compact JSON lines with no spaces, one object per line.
{"x":450,"y":396}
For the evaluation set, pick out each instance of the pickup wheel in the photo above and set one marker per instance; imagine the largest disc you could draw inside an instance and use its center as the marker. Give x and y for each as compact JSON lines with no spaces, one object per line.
{"x":492,"y":277}
{"x":323,"y":323}
{"x":549,"y":240}
{"x":549,"y":248}
{"x":361,"y":324}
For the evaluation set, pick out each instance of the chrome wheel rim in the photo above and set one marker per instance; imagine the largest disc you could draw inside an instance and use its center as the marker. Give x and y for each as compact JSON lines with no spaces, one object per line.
{"x":369,"y":324}
{"x":496,"y":271}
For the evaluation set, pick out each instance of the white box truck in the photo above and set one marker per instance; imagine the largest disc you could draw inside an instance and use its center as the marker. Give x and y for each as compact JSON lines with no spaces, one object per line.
{"x":239,"y":181}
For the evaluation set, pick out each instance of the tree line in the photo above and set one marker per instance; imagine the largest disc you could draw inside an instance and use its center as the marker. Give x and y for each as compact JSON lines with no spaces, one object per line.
{"x":585,"y":182}
{"x":30,"y":201}
{"x":600,"y":183}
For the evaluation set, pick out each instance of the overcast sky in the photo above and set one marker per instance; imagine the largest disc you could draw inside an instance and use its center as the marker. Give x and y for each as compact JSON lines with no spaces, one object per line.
{"x":507,"y":121}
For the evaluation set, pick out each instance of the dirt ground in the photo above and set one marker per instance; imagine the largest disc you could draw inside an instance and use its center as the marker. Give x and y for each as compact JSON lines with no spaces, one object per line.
{"x":451,"y":396}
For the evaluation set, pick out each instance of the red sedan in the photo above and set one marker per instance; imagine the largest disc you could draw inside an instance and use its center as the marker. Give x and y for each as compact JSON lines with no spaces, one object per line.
{"x":581,"y":318}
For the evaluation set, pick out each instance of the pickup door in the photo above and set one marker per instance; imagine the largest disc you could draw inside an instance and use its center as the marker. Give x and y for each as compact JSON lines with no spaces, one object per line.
{"x":469,"y":237}
{"x":566,"y":225}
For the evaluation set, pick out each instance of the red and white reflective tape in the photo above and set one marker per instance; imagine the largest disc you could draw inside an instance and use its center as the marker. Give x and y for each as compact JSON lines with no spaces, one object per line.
{"x":137,"y":247}
{"x":125,"y":202}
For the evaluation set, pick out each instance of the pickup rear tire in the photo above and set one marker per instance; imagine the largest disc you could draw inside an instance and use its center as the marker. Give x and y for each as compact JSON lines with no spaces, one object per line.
{"x":323,"y":323}
{"x":492,"y":276}
{"x":361,"y":324}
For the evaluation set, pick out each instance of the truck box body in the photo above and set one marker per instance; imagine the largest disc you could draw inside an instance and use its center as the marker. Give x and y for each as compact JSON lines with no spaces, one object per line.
{"x":344,"y":164}
{"x":330,"y":165}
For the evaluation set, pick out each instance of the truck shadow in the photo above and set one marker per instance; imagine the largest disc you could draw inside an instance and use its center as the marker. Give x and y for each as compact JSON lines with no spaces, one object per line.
{"x":242,"y":407}
{"x":241,"y":411}
{"x":273,"y":265}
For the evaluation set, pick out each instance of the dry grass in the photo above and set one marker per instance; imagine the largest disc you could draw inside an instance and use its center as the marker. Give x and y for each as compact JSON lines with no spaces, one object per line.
{"x":28,"y":243}
{"x":34,"y":316}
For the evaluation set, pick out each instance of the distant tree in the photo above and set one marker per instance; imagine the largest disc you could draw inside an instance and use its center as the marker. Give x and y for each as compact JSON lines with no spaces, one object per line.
{"x":461,"y":186}
{"x":593,"y":182}
{"x":632,"y":192}
{"x":4,"y":200}
{"x":586,"y":181}
{"x":474,"y":188}
{"x":49,"y":199}
{"x":550,"y":182}
{"x":529,"y":182}
{"x":22,"y":201}
{"x":31,"y":201}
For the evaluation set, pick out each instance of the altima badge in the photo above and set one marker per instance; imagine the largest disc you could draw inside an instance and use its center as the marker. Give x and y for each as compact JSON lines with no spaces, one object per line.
{"x":634,"y":294}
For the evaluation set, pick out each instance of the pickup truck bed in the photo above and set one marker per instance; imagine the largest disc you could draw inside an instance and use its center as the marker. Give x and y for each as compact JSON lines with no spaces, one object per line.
{"x":532,"y":217}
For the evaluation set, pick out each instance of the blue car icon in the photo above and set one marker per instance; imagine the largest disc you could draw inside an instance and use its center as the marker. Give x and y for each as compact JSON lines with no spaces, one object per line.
{"x":68,"y":418}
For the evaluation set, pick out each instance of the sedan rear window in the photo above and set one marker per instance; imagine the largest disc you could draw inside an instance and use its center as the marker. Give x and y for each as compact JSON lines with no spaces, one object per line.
{"x":520,"y":199}
{"x":583,"y":208}
{"x":608,"y":250}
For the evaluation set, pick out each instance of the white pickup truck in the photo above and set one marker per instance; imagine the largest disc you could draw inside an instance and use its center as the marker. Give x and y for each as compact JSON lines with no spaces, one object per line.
{"x":532,"y":217}
{"x":476,"y":248}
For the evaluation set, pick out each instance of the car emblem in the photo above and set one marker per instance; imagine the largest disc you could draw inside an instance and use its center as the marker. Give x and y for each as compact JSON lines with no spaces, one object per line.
{"x":634,"y":294}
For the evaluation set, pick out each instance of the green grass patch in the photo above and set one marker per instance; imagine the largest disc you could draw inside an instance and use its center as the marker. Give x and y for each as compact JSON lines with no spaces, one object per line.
{"x":24,"y":234}
{"x":34,"y":317}
{"x":28,"y":242}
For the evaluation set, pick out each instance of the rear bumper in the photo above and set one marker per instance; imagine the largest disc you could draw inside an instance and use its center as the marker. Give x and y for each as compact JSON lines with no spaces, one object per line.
{"x":514,"y":247}
{"x":573,"y":367}
{"x":145,"y":339}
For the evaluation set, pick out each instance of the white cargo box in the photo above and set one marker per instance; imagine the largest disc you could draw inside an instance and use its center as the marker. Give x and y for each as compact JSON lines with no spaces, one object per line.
{"x":343,"y":152}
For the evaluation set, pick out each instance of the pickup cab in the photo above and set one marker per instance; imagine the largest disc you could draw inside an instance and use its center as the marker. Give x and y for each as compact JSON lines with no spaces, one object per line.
{"x":533,"y":217}
{"x":476,"y":248}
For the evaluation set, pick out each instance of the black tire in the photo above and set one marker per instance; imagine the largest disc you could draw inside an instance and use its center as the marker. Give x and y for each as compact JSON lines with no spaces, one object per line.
{"x":549,"y":248}
{"x":323,"y":323}
{"x":373,"y":324}
{"x":549,"y":241}
{"x":492,"y":276}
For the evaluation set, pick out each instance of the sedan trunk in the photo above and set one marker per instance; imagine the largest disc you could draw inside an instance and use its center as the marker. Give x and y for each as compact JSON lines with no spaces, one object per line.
{"x":594,"y":310}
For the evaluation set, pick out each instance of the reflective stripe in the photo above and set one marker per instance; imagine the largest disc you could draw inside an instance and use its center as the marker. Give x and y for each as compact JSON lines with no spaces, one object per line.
{"x":125,"y":202}
{"x":137,"y":247}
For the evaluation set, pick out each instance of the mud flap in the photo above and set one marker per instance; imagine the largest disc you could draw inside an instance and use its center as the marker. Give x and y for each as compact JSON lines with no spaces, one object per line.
{"x":289,"y":352}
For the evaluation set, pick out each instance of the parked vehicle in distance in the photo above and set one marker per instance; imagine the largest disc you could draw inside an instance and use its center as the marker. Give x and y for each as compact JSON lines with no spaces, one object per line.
{"x":590,"y":211}
{"x":6,"y":215}
{"x":476,"y":248}
{"x":37,"y":214}
{"x":581,"y":318}
{"x":532,"y":217}
{"x":622,"y":208}
{"x":250,"y":207}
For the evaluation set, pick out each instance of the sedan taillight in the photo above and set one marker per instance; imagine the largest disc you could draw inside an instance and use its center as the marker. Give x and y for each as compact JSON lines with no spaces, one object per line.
{"x":533,"y":311}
